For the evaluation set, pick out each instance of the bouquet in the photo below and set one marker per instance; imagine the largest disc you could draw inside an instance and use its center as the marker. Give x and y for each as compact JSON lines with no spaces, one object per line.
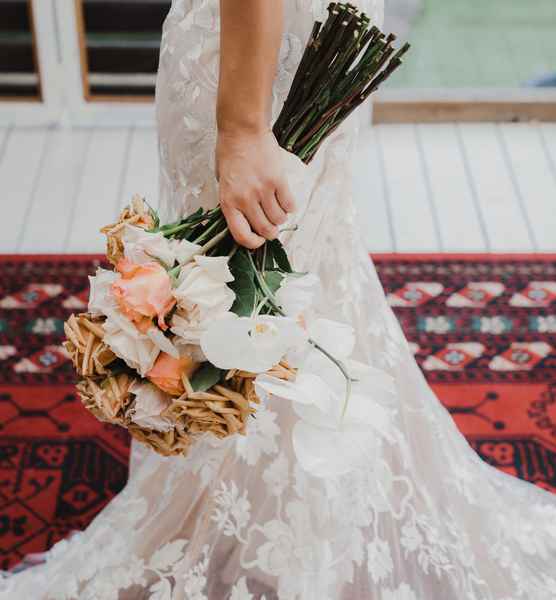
{"x":185,"y":331}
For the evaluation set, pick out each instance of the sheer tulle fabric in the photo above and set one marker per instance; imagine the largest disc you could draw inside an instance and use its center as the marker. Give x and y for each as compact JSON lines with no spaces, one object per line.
{"x":418,"y":517}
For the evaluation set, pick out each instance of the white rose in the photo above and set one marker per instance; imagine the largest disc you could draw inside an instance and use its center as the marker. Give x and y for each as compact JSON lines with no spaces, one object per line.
{"x":202,"y":286}
{"x":135,"y":348}
{"x":150,"y":402}
{"x":138,"y":350}
{"x":101,"y":301}
{"x":140,"y":247}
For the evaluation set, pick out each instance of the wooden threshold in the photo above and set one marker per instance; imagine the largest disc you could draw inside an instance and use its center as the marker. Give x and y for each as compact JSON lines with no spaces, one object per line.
{"x":440,"y":106}
{"x":119,"y":99}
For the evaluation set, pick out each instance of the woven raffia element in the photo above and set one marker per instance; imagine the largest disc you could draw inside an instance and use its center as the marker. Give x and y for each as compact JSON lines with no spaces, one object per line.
{"x":168,"y":443}
{"x":107,"y":398}
{"x":222,"y":410}
{"x":137,"y":213}
{"x":89,"y":354}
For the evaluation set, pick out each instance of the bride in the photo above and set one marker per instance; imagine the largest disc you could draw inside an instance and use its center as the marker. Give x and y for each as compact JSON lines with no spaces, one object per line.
{"x":418,"y":516}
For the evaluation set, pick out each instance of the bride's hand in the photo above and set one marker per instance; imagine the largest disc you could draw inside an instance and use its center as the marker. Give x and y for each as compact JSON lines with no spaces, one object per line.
{"x":254,"y":193}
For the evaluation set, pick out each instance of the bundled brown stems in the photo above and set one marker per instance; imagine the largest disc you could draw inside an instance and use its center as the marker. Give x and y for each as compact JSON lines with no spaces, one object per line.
{"x":344,"y":62}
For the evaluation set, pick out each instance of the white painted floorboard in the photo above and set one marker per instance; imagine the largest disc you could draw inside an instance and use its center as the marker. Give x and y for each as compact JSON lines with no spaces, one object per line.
{"x":505,"y":222}
{"x":51,"y":206}
{"x":419,"y":188}
{"x":20,"y":164}
{"x":413,"y":219}
{"x":369,"y":191}
{"x":453,"y":199}
{"x":97,"y":200}
{"x":534,"y":181}
{"x":141,"y":168}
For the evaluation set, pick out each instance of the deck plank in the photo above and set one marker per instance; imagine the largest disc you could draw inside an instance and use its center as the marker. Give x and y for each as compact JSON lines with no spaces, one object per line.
{"x":412,"y":214}
{"x":471,"y":187}
{"x":370,"y":199}
{"x":547,"y":132}
{"x":4,"y":135}
{"x":141,"y":171}
{"x":50,"y":209}
{"x":19,"y":168}
{"x":450,"y":188}
{"x":534,"y":179}
{"x":97,"y":200}
{"x":500,"y":206}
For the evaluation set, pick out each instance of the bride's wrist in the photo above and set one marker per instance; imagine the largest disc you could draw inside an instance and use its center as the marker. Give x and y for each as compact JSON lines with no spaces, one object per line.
{"x":252,"y":123}
{"x":235,"y":129}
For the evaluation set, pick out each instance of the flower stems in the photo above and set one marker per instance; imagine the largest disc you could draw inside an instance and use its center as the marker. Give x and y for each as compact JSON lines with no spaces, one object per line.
{"x":343,"y":370}
{"x":268,"y":297}
{"x":344,"y":62}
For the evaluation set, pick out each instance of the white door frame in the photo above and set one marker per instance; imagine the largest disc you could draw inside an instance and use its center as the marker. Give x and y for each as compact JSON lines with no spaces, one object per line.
{"x":59,"y":58}
{"x":79,"y":110}
{"x":47,"y":110}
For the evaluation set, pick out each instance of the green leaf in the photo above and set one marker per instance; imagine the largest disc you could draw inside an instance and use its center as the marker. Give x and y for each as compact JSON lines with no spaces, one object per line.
{"x":243,"y":284}
{"x":273,"y":280}
{"x":206,"y":376}
{"x":279,"y":255}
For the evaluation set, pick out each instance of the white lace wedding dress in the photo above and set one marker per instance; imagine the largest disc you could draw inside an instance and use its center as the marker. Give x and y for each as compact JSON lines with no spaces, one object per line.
{"x":418,"y":517}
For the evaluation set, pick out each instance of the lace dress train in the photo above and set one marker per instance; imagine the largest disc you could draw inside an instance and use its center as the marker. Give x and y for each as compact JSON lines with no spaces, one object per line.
{"x":418,"y":516}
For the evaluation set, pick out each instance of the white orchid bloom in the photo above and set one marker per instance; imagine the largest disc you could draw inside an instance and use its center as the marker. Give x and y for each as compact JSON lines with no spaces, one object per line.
{"x":202,"y":286}
{"x":327,"y":442}
{"x":150,"y":403}
{"x":296,"y":294}
{"x":252,"y":344}
{"x":338,"y":339}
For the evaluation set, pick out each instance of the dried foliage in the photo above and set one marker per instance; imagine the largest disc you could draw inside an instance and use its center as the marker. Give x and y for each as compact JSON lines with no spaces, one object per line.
{"x":222,"y":410}
{"x":85,"y":346}
{"x":108,"y":398}
{"x":137,"y":213}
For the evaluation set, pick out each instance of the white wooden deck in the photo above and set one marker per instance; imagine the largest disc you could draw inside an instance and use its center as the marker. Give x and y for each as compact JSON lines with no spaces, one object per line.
{"x":420,"y":188}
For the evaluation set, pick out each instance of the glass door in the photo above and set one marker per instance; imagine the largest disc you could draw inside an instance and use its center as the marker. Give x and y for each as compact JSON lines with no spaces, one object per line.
{"x":19,"y":72}
{"x":119,"y":42}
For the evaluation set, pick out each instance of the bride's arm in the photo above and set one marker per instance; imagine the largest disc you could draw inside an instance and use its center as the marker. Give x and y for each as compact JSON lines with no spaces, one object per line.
{"x":253,"y":190}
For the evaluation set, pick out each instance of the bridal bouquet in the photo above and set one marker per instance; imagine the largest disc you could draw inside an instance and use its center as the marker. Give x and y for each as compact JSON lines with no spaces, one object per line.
{"x":187,"y":329}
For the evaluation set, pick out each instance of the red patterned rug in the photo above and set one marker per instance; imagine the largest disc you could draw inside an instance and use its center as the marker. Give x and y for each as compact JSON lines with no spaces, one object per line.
{"x":482,"y":329}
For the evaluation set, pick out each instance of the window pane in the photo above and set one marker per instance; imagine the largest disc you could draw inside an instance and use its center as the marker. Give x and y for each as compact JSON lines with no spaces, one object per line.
{"x":18,"y":73}
{"x":122,"y":40}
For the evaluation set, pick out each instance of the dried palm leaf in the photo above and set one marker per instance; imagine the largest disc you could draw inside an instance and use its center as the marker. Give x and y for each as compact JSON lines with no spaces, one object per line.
{"x":89,"y":354}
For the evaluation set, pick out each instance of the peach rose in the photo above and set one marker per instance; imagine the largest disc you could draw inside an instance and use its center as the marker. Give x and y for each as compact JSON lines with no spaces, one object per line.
{"x":143,"y":292}
{"x":167,"y":372}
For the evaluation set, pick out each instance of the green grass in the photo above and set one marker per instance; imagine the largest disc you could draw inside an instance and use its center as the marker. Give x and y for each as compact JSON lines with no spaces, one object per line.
{"x":480,"y":43}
